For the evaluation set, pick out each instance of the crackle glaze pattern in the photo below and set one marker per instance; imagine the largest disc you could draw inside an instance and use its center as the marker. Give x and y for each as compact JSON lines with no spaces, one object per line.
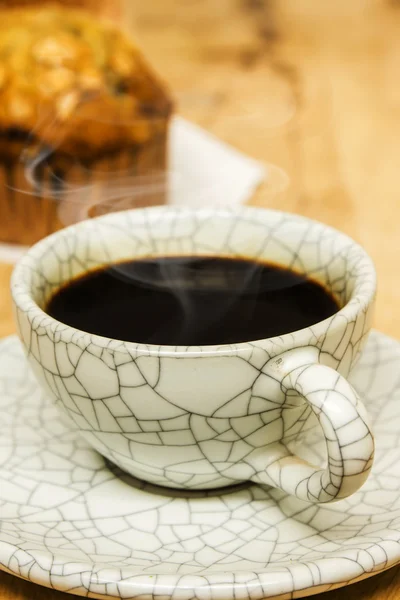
{"x":69,"y":521}
{"x":202,"y":417}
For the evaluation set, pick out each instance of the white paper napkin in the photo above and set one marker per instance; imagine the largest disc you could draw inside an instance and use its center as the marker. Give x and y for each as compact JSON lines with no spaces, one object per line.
{"x":208,"y":171}
{"x":204,"y":171}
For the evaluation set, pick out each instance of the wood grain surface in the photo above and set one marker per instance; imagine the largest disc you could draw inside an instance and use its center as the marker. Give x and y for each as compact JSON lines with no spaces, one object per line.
{"x":311,"y":87}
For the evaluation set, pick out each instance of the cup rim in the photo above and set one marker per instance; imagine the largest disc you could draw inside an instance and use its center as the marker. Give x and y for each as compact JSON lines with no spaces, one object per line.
{"x":21,"y":290}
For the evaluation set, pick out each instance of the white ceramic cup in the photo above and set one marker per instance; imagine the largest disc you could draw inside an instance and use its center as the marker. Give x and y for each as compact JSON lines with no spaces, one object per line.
{"x":206,"y":417}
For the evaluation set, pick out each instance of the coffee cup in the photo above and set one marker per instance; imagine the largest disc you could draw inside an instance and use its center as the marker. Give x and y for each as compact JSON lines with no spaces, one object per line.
{"x":204,"y":417}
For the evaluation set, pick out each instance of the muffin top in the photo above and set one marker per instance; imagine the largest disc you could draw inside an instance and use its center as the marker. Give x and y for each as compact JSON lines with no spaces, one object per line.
{"x":75,"y":84}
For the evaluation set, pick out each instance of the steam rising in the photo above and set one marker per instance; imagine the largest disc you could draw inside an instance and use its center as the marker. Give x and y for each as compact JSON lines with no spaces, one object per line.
{"x":196,"y":283}
{"x":82,"y":192}
{"x":104,"y":192}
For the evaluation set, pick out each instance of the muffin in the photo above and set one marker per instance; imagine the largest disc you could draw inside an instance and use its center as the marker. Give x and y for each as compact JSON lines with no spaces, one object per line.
{"x":83,"y":122}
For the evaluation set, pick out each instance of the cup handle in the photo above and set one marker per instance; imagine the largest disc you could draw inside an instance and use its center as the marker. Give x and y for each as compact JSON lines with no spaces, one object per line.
{"x":344,"y":421}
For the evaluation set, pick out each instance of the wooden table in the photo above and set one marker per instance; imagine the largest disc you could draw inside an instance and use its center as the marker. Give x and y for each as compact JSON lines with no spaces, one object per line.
{"x":310,"y":86}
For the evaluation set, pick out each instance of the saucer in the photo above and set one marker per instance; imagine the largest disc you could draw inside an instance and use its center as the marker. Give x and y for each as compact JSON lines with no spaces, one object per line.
{"x":74,"y":523}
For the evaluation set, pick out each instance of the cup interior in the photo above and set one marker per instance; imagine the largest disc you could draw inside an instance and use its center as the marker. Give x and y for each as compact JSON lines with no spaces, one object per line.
{"x":287,"y":240}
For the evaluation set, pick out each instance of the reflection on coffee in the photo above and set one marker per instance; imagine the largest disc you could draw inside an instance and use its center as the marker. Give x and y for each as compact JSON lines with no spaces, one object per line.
{"x":191,"y":300}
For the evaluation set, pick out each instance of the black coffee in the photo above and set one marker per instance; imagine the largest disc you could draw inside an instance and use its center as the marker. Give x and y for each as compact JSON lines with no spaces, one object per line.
{"x":191,"y":301}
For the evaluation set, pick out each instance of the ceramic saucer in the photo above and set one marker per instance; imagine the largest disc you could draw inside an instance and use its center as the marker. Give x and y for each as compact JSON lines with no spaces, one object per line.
{"x":71,"y":522}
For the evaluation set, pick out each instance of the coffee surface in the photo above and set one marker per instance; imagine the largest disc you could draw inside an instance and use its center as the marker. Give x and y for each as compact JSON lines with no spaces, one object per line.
{"x":191,"y":301}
